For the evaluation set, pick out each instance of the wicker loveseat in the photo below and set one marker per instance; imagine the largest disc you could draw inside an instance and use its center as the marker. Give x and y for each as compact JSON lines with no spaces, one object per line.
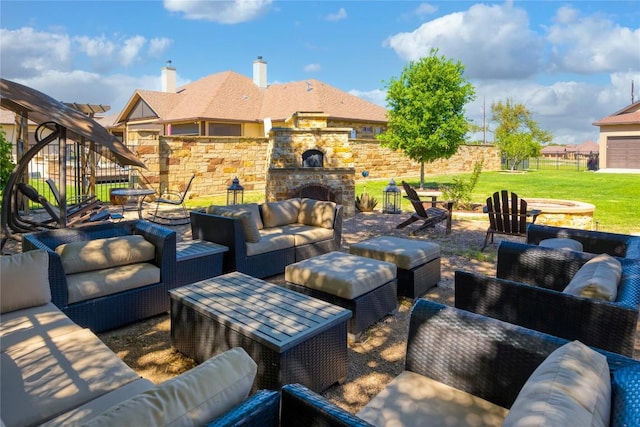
{"x":464,"y":352}
{"x":53,"y":372}
{"x":597,"y":242}
{"x":528,"y":291}
{"x":115,"y":289}
{"x":264,"y":238}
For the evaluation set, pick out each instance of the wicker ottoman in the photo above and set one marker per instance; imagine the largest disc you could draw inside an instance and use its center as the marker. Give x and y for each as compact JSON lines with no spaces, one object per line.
{"x":418,"y":261}
{"x":365,"y":286}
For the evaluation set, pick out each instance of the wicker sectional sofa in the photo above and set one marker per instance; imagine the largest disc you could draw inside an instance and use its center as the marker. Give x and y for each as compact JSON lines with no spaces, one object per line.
{"x":53,"y":372}
{"x":529,"y":290}
{"x":597,"y":242}
{"x":107,"y":275}
{"x":469,"y":369}
{"x":264,"y":238}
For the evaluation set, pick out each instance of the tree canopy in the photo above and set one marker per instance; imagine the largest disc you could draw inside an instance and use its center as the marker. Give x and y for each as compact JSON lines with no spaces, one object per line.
{"x":426,"y":109}
{"x":517,"y":135}
{"x":6,"y":163}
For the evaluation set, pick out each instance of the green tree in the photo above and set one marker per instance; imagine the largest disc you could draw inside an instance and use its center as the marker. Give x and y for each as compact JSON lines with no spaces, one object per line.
{"x":6,"y":163}
{"x":517,"y":135}
{"x":426,"y":110}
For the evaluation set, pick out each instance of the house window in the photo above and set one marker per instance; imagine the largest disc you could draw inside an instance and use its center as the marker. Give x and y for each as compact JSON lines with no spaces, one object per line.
{"x":184,"y":129}
{"x":225,"y":129}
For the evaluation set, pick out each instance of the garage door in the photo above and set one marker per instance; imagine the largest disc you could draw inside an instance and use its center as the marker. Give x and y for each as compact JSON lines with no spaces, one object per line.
{"x":623,"y":153}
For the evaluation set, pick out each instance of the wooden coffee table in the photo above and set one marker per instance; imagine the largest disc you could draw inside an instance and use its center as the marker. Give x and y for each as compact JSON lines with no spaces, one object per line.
{"x":292,"y":337}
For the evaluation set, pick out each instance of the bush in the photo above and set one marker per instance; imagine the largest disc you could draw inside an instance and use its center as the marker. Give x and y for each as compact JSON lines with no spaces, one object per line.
{"x":460,"y":191}
{"x":6,"y":163}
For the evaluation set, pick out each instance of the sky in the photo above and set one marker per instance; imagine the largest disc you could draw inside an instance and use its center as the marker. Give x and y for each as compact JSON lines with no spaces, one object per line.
{"x":570,"y":63}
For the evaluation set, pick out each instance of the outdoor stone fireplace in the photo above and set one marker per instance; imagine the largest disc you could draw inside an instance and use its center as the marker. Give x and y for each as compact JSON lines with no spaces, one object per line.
{"x":308,"y":159}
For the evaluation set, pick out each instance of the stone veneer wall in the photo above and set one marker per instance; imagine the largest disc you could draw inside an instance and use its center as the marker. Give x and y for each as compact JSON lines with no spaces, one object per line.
{"x":171,"y":160}
{"x":382,"y":162}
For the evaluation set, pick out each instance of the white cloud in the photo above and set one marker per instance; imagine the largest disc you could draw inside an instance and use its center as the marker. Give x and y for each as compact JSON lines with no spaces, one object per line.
{"x":491,"y":41}
{"x":376,"y":96}
{"x":310,"y":68}
{"x":26,"y":52}
{"x":223,"y":12}
{"x":591,"y":44}
{"x":130,"y":52}
{"x":338,"y":16}
{"x":87,"y":87}
{"x":158,"y":46}
{"x":425,"y":9}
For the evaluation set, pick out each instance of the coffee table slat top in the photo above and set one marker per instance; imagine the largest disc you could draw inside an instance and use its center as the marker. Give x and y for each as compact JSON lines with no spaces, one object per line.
{"x":276,"y":317}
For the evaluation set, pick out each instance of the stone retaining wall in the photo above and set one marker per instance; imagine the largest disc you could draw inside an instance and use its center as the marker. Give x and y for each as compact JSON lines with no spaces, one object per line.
{"x":171,"y":160}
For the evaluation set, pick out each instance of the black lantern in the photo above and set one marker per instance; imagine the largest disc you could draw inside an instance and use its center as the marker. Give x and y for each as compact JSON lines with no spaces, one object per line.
{"x":391,"y":198}
{"x":235,"y":192}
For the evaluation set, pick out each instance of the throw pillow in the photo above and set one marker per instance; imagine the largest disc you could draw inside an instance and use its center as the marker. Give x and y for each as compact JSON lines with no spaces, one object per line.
{"x":317,"y":213}
{"x":598,"y":278}
{"x":92,"y":255}
{"x":24,"y":280}
{"x":193,"y":398}
{"x":571,"y":387}
{"x":285,"y":212}
{"x":251,"y":232}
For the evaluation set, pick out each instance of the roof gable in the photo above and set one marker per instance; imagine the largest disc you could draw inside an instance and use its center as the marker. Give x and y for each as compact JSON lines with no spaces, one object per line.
{"x":628,"y":115}
{"x":234,"y":97}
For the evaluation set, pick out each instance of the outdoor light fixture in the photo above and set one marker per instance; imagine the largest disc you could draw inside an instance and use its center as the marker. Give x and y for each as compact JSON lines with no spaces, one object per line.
{"x":391,"y":198}
{"x":235,"y":192}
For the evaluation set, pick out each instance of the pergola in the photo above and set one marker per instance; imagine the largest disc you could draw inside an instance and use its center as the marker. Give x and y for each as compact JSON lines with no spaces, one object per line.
{"x":56,"y":121}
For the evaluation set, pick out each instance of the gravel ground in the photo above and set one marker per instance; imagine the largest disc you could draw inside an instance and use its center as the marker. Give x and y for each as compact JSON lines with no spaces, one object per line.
{"x":374,"y":361}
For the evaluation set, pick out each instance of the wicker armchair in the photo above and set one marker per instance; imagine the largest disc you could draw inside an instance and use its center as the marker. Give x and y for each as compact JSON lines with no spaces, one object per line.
{"x":483,"y":356}
{"x":527,"y":291}
{"x":597,"y":242}
{"x":110,"y":311}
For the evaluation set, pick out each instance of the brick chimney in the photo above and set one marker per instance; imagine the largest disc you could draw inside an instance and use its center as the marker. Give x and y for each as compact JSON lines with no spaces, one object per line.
{"x":168,"y":78}
{"x":260,"y":73}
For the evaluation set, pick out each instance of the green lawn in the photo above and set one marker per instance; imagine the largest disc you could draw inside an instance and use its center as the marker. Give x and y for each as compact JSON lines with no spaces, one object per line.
{"x":615,"y":196}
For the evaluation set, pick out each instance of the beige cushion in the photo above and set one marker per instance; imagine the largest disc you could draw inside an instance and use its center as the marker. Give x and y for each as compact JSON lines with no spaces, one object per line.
{"x":272,"y":239}
{"x":344,"y":275}
{"x":94,"y":284}
{"x":411,"y":399}
{"x":598,"y":278}
{"x":253,"y":208}
{"x":77,"y":416}
{"x":307,"y":234}
{"x":251,"y":232}
{"x":561,"y":243}
{"x":405,"y":253}
{"x":51,"y":376}
{"x":284,"y":212}
{"x":191,"y":399}
{"x":22,"y":327}
{"x":317,"y":213}
{"x":24,"y":280}
{"x":571,"y":387}
{"x":97,"y":254}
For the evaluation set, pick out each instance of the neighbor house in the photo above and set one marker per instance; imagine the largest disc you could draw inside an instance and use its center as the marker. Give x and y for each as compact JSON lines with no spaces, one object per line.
{"x":230,"y":104}
{"x":619,"y":139}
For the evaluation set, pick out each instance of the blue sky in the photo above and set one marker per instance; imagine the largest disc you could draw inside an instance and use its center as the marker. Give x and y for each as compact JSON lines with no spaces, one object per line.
{"x":570,"y":62}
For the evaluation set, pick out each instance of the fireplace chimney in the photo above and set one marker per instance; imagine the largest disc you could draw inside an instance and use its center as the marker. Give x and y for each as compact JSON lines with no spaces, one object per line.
{"x":260,"y":73}
{"x":169,"y":78}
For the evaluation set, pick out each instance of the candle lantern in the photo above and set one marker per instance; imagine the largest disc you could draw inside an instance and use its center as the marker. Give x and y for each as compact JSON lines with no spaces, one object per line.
{"x":391,"y":198}
{"x":235,"y":192}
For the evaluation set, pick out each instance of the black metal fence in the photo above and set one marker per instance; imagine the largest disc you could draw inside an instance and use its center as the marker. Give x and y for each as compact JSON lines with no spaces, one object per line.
{"x":578,"y":162}
{"x":86,"y":174}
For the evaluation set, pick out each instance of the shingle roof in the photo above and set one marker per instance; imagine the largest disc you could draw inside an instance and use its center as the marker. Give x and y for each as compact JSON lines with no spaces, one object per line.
{"x":628,"y":115}
{"x":232,"y":96}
